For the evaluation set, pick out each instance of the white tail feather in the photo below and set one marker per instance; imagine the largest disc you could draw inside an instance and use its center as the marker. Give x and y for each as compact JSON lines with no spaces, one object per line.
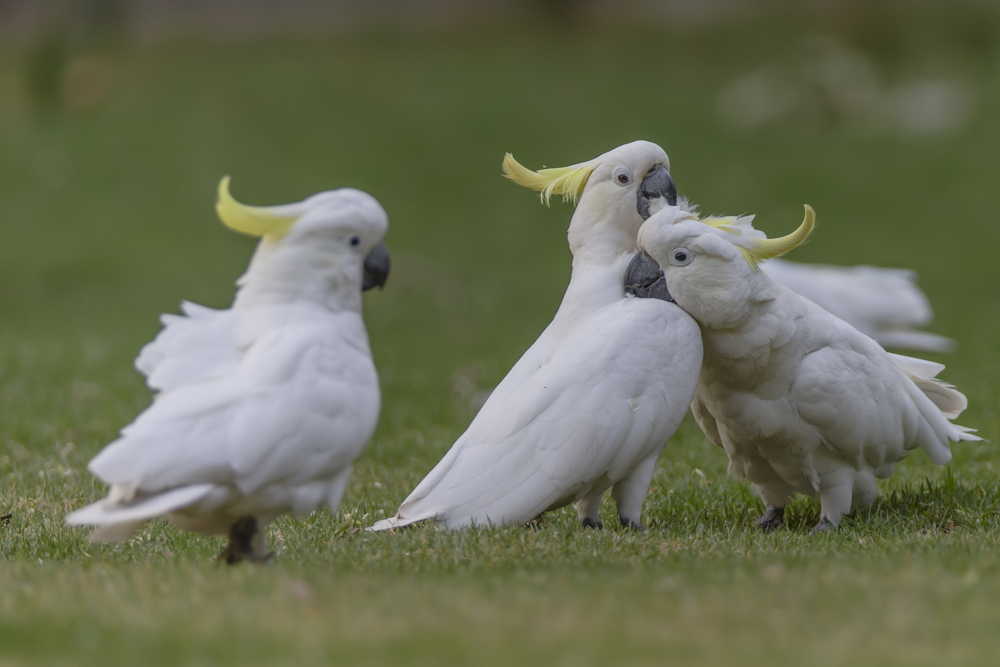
{"x":950,"y":401}
{"x":915,"y":340}
{"x":391,"y":524}
{"x":119,"y":518}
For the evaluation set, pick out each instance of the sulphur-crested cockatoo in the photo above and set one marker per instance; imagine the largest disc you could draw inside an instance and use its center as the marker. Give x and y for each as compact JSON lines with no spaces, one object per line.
{"x":800,"y":400}
{"x":593,"y":401}
{"x":885,"y":304}
{"x":260,"y":409}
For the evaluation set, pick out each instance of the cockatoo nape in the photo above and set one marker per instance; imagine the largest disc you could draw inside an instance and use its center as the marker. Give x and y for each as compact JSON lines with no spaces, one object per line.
{"x":801,"y":401}
{"x":261,"y":408}
{"x":594,"y":400}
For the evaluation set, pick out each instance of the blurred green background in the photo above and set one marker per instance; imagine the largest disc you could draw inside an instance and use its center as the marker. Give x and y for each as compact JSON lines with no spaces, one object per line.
{"x":111,"y":147}
{"x":118,"y":119}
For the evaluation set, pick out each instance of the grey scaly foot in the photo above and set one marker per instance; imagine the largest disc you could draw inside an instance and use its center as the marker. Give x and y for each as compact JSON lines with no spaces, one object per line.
{"x":591,"y":523}
{"x":240,"y":547}
{"x":772,"y":519}
{"x":824,"y":526}
{"x":633,"y":525}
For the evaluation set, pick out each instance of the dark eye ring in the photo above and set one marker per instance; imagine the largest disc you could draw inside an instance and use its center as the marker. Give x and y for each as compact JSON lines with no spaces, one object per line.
{"x":623,"y":178}
{"x":355,"y":240}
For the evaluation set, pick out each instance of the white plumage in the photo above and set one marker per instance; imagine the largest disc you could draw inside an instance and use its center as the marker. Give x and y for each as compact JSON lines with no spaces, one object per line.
{"x":885,"y":304}
{"x":801,"y":401}
{"x":594,"y":400}
{"x":259,"y":409}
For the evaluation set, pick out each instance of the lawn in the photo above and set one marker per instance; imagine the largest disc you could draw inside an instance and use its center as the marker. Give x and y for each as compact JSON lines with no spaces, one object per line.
{"x":107,"y":220}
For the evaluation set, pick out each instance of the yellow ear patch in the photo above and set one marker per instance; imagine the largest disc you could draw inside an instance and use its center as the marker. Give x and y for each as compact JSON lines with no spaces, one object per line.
{"x":568,"y":182}
{"x":765,"y":249}
{"x":252,"y":220}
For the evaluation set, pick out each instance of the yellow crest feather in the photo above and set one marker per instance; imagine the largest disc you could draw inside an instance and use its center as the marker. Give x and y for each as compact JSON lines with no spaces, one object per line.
{"x":568,"y":182}
{"x":252,"y":220}
{"x":765,"y":249}
{"x":725,"y":224}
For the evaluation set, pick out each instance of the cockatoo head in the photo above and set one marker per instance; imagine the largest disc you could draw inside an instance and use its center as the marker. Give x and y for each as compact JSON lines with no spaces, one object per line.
{"x":330,"y":241}
{"x":709,"y":266}
{"x":614,"y":193}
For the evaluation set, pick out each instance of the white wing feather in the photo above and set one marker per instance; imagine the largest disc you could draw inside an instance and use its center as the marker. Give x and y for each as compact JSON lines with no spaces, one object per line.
{"x":288,"y":396}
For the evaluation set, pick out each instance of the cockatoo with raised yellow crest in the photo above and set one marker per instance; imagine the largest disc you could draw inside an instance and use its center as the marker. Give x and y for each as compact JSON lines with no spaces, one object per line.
{"x":260,"y":409}
{"x":594,"y":400}
{"x":801,"y":401}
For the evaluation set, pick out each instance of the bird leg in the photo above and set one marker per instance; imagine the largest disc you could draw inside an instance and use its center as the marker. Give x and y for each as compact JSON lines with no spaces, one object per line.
{"x":632,"y":525}
{"x":772,"y":519}
{"x":242,"y":536}
{"x":589,"y":511}
{"x":824,"y":526}
{"x":630,"y":492}
{"x":834,"y":502}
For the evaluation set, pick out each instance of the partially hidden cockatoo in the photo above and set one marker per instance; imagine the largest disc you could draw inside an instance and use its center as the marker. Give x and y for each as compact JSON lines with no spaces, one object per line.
{"x":801,"y":401}
{"x":594,"y":400}
{"x":885,"y":304}
{"x":260,"y":409}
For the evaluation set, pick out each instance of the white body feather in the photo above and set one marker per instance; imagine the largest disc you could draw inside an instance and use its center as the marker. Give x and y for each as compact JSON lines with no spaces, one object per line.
{"x":589,"y":406}
{"x":262,"y":410}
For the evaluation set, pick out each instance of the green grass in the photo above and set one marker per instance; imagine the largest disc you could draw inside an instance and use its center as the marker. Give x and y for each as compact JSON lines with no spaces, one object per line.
{"x":106,"y":217}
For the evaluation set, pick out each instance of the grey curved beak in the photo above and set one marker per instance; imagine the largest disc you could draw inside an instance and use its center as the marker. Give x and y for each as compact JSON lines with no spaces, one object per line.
{"x":644,"y":279}
{"x":376,"y":268}
{"x":656,"y":185}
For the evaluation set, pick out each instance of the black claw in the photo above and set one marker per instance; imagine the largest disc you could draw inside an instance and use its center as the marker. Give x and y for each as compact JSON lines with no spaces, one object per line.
{"x":772,"y":519}
{"x":240,"y":547}
{"x":632,"y":525}
{"x":590,"y":523}
{"x":824,"y":525}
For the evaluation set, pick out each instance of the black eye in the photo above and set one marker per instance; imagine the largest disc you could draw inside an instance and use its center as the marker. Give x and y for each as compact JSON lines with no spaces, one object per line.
{"x":355,"y":240}
{"x":623,"y":179}
{"x":680,"y":256}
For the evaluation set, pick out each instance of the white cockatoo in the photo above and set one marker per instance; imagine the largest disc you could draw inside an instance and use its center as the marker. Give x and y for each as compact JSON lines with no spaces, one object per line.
{"x":885,"y":304}
{"x":594,"y":400}
{"x":800,"y":400}
{"x":259,"y":409}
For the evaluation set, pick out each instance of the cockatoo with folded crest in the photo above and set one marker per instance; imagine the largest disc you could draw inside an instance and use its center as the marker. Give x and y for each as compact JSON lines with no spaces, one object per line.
{"x":594,"y":400}
{"x":260,"y":409}
{"x":801,"y":401}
